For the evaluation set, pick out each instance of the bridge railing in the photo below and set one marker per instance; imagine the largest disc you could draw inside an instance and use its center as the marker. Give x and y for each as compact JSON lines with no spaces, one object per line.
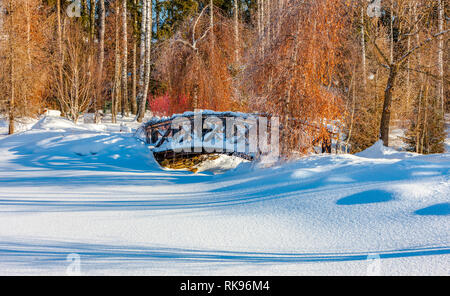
{"x":249,"y":135}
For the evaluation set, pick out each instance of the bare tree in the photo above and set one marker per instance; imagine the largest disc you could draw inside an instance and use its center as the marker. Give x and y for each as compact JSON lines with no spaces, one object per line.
{"x":92,"y":20}
{"x":101,"y":59}
{"x":363,"y":51}
{"x":441,"y":9}
{"x":134,"y":60}
{"x":117,"y":66}
{"x":395,"y":63}
{"x":22,"y":74}
{"x":236,"y":32}
{"x":125,"y":108}
{"x":142,"y":95}
{"x":211,"y":23}
{"x":75,"y":91}
{"x":101,"y":50}
{"x":148,"y":39}
{"x":12,"y":96}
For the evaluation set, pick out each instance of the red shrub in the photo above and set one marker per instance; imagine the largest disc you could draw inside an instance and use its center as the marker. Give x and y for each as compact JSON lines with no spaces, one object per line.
{"x":166,"y":105}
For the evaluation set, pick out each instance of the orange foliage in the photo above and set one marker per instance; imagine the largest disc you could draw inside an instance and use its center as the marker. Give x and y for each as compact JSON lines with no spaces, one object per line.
{"x":201,"y":71}
{"x":292,"y":73}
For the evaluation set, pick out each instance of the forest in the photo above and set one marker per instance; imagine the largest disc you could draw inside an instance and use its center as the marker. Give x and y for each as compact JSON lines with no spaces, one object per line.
{"x":356,"y":64}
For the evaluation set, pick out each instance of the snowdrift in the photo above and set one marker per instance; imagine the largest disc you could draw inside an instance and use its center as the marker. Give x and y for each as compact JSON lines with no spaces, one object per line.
{"x":99,"y":193}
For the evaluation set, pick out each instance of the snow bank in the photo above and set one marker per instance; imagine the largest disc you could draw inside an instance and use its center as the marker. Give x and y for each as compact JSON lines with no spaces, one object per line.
{"x":221,"y":164}
{"x":54,"y":123}
{"x":68,"y":188}
{"x":54,"y":113}
{"x":20,"y":125}
{"x":378,"y":150}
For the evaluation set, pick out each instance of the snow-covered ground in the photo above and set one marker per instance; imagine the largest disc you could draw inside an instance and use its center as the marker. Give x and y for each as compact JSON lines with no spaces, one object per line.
{"x":96,"y":191}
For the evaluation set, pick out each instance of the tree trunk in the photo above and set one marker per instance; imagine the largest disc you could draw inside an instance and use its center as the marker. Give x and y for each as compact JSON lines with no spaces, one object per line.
{"x":236,"y":32}
{"x":134,"y":106}
{"x":352,"y":88}
{"x":84,"y":12}
{"x":363,"y":52}
{"x":408,"y":78}
{"x":102,"y":37}
{"x":158,"y":16}
{"x":101,"y":57}
{"x":211,"y":24}
{"x":28,"y":17}
{"x":386,"y":113}
{"x":117,"y":88}
{"x":391,"y":34}
{"x":125,"y":109}
{"x":258,"y":17}
{"x":11,"y":71}
{"x":423,"y":141}
{"x":148,"y":38}
{"x":62,"y":88}
{"x":441,"y":57}
{"x":142,"y":54}
{"x":419,"y":112}
{"x":92,"y":21}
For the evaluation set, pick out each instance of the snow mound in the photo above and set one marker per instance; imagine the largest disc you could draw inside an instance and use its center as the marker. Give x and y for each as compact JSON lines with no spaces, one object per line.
{"x":378,"y":150}
{"x":54,"y":123}
{"x":98,"y":192}
{"x":55,"y":113}
{"x":221,"y":164}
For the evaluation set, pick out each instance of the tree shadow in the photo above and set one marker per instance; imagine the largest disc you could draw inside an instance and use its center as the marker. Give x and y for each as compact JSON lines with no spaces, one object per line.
{"x":442,"y":209}
{"x":366,"y":197}
{"x":51,"y":254}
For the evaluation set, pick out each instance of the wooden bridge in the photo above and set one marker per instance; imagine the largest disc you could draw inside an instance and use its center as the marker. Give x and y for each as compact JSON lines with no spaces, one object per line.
{"x":190,"y":135}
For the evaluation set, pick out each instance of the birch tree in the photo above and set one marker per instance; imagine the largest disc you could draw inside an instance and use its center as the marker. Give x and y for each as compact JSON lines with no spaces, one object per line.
{"x":149,"y":33}
{"x":125,"y":108}
{"x":144,"y":70}
{"x":117,"y":66}
{"x":146,"y":37}
{"x":12,"y":95}
{"x":133,"y":101}
{"x":142,"y":57}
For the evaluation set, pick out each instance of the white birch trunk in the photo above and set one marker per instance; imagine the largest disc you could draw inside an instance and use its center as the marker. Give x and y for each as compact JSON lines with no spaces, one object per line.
{"x":134,"y":70}
{"x":117,"y":88}
{"x":148,"y":38}
{"x":142,"y":59}
{"x":125,"y":108}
